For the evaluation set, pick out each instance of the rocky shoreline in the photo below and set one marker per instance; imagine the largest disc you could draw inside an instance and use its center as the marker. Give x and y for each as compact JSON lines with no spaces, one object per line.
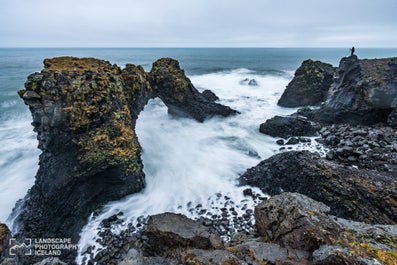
{"x":300,"y":224}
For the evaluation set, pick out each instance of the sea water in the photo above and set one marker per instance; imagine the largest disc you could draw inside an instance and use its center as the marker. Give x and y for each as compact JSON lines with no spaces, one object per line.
{"x":185,"y":162}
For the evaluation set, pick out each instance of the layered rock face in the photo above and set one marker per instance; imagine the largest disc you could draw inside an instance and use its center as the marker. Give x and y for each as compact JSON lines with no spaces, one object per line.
{"x":84,"y":112}
{"x":169,"y":82}
{"x":364,"y":92}
{"x":309,"y":86}
{"x":356,"y":194}
{"x":296,"y":221}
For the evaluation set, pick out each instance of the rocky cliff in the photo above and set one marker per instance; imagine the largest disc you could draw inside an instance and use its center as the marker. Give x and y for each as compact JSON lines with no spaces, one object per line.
{"x":90,"y":153}
{"x":363,"y":92}
{"x":171,"y":85}
{"x":310,"y":85}
{"x":84,"y":112}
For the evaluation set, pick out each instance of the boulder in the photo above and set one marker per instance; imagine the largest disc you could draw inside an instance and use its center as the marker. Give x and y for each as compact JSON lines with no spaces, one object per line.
{"x":170,"y":231}
{"x":310,"y":85}
{"x":357,"y":194}
{"x":172,"y":86}
{"x":287,"y":126}
{"x":296,"y":221}
{"x":253,"y":82}
{"x":133,"y":257}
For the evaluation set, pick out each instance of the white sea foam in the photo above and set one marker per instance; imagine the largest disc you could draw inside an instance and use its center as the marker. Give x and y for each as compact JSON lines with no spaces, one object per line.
{"x":186,"y":161}
{"x":18,"y":161}
{"x":8,"y":104}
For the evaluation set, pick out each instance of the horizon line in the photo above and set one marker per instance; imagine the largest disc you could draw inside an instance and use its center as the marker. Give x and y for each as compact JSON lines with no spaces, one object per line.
{"x":189,"y":47}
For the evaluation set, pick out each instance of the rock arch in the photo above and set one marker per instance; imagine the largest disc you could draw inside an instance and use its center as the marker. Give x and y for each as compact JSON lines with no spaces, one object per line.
{"x":84,"y":112}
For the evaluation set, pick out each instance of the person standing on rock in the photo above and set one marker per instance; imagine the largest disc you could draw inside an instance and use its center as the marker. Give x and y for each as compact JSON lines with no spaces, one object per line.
{"x":352,"y":50}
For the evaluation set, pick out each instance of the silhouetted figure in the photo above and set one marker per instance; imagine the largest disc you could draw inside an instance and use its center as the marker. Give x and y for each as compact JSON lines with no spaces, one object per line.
{"x":352,"y":50}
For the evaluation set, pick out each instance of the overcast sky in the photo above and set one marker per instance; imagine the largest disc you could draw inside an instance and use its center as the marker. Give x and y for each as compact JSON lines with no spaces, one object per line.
{"x":198,"y":23}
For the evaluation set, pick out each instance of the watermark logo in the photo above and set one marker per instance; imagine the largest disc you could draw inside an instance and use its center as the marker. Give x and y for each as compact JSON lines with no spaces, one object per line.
{"x":41,"y":246}
{"x":17,"y":247}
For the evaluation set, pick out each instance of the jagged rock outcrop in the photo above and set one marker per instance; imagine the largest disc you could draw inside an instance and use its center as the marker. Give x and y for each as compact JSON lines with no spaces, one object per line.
{"x":311,"y":236}
{"x":287,"y":126}
{"x":171,"y":85}
{"x":364,"y":92}
{"x":5,"y":235}
{"x":84,"y":112}
{"x":209,"y":95}
{"x":356,"y":194}
{"x":169,"y":231}
{"x":296,"y":221}
{"x":310,"y":85}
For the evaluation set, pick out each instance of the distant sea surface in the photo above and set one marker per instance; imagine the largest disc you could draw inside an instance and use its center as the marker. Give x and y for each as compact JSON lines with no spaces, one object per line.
{"x":189,"y":160}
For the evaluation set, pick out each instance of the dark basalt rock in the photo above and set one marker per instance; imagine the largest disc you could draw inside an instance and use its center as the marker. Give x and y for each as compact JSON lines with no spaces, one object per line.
{"x":209,"y":95}
{"x":292,"y":229}
{"x":392,"y":118}
{"x":372,"y":147}
{"x":171,"y":85}
{"x":84,"y":112}
{"x":364,"y":92}
{"x":169,"y":231}
{"x":90,"y":153}
{"x":288,"y":126}
{"x":309,"y":86}
{"x":5,"y":236}
{"x":296,"y":221}
{"x":253,"y":82}
{"x":356,"y":194}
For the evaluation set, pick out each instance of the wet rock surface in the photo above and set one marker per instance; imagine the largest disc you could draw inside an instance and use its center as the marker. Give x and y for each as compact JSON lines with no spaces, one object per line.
{"x":292,"y":229}
{"x":357,"y":194}
{"x":310,"y":85}
{"x":296,"y":221}
{"x":171,"y":85}
{"x":169,"y":231}
{"x":288,"y":126}
{"x":364,"y":92}
{"x":209,"y":95}
{"x":370,"y":147}
{"x":84,"y":111}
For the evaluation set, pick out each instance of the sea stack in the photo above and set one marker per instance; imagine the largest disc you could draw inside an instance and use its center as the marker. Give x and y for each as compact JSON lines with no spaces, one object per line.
{"x":84,"y":112}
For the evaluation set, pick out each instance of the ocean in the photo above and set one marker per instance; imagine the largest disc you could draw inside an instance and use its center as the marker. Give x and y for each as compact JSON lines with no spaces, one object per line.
{"x":186,"y":163}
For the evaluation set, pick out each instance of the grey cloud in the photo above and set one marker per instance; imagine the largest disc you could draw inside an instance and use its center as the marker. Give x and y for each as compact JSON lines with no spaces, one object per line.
{"x":198,"y":23}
